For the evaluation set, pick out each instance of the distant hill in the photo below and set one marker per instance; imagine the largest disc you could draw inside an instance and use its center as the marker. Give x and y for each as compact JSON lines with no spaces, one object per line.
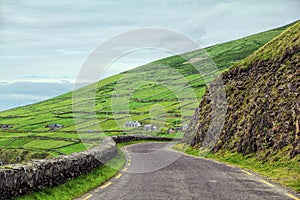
{"x":26,"y":131}
{"x":263,"y":98}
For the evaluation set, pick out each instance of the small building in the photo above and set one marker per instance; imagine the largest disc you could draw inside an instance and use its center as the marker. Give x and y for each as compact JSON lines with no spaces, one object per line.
{"x":150,"y":127}
{"x":54,"y":126}
{"x":171,"y":131}
{"x":181,"y":128}
{"x":5,"y":126}
{"x":132,"y":124}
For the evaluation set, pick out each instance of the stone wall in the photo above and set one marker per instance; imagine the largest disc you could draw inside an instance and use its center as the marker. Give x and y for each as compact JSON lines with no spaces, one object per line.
{"x":128,"y":138}
{"x":19,"y":178}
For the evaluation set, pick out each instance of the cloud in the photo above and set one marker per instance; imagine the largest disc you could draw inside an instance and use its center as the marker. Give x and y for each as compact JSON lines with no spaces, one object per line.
{"x":55,"y":78}
{"x":49,"y":40}
{"x":12,"y":101}
{"x":67,"y":52}
{"x":40,"y":89}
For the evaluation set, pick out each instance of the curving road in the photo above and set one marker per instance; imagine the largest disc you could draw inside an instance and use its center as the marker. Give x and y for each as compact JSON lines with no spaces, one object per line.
{"x":154,"y":171}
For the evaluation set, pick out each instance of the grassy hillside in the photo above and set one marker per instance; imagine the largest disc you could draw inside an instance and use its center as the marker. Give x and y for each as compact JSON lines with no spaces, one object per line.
{"x":261,"y":128}
{"x":169,"y":88}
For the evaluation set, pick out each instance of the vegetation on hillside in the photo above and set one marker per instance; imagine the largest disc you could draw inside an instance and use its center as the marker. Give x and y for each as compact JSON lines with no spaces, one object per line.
{"x":164,"y":93}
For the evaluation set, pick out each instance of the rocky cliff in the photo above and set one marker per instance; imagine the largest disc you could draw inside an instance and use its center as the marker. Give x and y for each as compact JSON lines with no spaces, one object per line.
{"x":262,"y":102}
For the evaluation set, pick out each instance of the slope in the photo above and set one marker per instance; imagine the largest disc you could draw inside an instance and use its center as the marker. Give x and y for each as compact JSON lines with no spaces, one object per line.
{"x":29,"y":137}
{"x":263,"y":115}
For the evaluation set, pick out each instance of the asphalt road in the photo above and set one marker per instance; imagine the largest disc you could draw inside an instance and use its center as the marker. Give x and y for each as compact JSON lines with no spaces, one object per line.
{"x":154,"y":171}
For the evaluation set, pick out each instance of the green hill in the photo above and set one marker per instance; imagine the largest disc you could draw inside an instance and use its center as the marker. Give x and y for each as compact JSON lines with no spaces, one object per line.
{"x":261,"y":128}
{"x":170,"y":85}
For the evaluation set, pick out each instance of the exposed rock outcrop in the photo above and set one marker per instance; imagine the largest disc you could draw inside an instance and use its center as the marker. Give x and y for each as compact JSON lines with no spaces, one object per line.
{"x":263,"y":102}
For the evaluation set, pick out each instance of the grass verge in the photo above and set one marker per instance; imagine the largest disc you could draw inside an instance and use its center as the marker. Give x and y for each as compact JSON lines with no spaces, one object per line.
{"x":177,"y":135}
{"x":282,"y":170}
{"x":79,"y":186}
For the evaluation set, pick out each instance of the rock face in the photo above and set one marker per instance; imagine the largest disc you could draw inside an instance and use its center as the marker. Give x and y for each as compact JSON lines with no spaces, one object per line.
{"x":263,"y":102}
{"x":18,"y":179}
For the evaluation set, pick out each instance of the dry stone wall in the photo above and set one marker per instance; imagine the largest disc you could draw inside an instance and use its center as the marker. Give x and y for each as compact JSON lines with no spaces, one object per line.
{"x":20,"y":178}
{"x":128,"y":138}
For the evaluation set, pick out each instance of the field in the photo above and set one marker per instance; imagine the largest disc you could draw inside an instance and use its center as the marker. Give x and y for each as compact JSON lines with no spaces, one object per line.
{"x":164,"y":93}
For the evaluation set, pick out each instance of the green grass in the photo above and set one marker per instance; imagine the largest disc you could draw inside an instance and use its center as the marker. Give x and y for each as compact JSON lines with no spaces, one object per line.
{"x":284,"y":171}
{"x":176,"y":135}
{"x":161,"y":92}
{"x":11,"y":154}
{"x":275,"y":48}
{"x":79,"y":186}
{"x":46,"y":144}
{"x":73,"y":148}
{"x":281,"y":169}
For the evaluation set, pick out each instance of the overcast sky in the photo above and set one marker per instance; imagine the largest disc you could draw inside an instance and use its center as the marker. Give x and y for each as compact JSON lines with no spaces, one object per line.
{"x":44,"y":43}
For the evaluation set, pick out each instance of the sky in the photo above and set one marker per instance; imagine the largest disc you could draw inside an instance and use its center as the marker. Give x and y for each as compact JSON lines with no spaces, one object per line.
{"x":43,"y":44}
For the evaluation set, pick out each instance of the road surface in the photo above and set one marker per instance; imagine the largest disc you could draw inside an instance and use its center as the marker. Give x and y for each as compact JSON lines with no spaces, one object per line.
{"x":154,"y":171}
